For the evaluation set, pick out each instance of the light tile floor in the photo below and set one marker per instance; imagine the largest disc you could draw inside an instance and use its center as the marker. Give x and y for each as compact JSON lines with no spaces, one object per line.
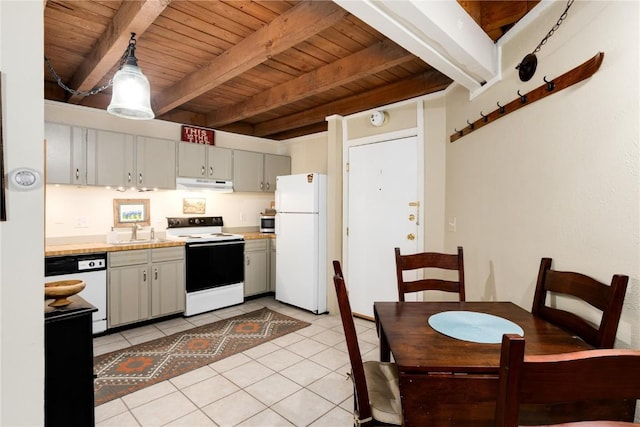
{"x":296,"y":380}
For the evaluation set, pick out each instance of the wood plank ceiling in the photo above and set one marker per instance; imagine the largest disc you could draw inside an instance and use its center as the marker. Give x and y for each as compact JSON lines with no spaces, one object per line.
{"x":273,"y":69}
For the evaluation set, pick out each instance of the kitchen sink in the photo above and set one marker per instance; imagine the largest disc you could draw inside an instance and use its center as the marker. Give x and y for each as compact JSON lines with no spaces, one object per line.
{"x":140,"y":242}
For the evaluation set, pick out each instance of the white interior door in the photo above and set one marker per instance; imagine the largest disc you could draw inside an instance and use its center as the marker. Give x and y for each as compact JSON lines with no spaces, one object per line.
{"x":383,"y":213}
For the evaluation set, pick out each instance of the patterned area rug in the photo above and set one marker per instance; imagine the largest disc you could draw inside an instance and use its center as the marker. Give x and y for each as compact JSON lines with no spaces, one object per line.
{"x":125,"y":371}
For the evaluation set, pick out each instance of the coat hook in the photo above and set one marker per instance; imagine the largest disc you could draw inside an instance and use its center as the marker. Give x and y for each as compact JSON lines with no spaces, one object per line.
{"x":501,"y":107}
{"x":485,"y":118}
{"x":471,"y":125}
{"x":459,"y":132}
{"x":550,"y":84}
{"x":523,"y":98}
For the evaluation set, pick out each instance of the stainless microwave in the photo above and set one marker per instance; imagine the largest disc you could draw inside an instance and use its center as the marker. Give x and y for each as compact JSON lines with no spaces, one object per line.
{"x":267,"y":223}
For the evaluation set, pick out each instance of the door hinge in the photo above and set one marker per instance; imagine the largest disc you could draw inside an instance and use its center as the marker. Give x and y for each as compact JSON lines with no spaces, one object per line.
{"x":347,"y":231}
{"x":347,"y":167}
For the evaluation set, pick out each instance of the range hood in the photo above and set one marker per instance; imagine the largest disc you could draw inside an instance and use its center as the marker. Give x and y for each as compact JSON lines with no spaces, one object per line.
{"x":219,"y":186}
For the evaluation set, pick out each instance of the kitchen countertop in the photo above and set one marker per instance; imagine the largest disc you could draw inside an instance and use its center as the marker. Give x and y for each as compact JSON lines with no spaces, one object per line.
{"x":93,"y":247}
{"x":257,"y":235}
{"x":87,"y":248}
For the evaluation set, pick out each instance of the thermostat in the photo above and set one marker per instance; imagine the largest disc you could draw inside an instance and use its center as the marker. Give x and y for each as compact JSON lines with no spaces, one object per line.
{"x":378,"y":118}
{"x":23,"y":179}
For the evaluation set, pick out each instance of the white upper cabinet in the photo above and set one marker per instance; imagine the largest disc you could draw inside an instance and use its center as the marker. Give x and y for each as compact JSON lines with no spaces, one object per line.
{"x":66,"y":154}
{"x":204,"y":161}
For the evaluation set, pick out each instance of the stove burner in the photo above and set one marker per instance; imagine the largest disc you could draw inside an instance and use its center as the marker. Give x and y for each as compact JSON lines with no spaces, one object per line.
{"x":199,"y":229}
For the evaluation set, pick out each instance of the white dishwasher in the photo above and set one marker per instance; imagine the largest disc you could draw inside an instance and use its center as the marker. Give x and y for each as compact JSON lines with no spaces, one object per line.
{"x":92,"y":269}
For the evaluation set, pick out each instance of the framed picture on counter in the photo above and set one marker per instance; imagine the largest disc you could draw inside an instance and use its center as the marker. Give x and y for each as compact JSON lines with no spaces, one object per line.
{"x":130,"y":211}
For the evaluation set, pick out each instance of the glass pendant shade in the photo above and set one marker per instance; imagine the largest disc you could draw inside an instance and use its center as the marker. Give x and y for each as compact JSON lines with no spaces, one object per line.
{"x":131,"y":95}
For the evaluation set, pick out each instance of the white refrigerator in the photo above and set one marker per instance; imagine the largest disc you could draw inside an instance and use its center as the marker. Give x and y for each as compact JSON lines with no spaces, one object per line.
{"x":301,"y":241}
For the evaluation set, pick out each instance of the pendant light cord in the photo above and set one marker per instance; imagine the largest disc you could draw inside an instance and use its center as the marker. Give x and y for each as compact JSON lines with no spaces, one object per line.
{"x":95,"y":90}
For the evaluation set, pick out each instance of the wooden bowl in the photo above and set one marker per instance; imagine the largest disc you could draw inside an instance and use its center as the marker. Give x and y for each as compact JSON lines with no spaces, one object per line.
{"x":61,"y":290}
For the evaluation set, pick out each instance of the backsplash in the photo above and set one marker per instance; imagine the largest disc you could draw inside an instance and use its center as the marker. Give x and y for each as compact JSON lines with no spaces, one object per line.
{"x":88,"y":211}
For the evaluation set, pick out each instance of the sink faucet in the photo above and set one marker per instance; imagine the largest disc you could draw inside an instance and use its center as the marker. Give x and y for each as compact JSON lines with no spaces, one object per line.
{"x":134,"y":231}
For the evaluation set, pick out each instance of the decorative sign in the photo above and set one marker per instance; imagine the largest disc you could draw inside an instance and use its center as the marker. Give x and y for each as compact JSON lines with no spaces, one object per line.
{"x":193,"y":205}
{"x":197,"y":135}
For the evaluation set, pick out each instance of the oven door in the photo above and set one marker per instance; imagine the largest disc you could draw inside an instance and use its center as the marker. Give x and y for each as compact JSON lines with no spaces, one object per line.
{"x":214,"y":264}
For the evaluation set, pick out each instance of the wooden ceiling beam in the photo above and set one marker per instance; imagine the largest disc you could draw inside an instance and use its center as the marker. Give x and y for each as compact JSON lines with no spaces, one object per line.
{"x":289,"y":29}
{"x":417,"y":85}
{"x":132,"y":17}
{"x":371,"y":60}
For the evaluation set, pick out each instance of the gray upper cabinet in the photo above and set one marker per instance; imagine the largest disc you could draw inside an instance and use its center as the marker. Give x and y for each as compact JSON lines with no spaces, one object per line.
{"x":248,"y":171}
{"x":204,"y":161}
{"x":121,"y":160}
{"x":275,"y":166}
{"x":83,"y":156}
{"x":111,"y":159}
{"x":257,"y":171}
{"x":156,"y":163}
{"x":66,"y":154}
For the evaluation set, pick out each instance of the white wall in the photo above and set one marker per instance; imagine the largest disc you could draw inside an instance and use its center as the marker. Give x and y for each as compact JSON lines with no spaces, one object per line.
{"x":558,"y":178}
{"x":21,"y":236}
{"x":88,"y":211}
{"x":308,"y":153}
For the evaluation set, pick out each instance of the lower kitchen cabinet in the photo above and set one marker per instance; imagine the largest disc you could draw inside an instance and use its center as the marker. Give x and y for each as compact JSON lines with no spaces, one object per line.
{"x":272,"y":266}
{"x":255,"y":267}
{"x":167,"y":281}
{"x":145,"y":283}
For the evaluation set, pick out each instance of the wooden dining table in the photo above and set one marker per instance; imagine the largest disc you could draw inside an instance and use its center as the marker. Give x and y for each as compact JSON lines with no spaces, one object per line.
{"x":446,"y":381}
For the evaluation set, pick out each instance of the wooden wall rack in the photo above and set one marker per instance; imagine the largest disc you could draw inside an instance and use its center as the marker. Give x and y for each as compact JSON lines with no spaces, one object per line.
{"x":571,"y":77}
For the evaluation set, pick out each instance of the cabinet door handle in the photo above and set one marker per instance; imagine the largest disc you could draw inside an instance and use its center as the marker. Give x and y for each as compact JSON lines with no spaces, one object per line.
{"x":140,"y":178}
{"x":210,"y":170}
{"x":248,"y":260}
{"x":268,"y":186}
{"x":155,"y":273}
{"x":129,"y":177}
{"x":261,"y":185}
{"x":202,"y":171}
{"x":144,"y":275}
{"x":77,"y":173}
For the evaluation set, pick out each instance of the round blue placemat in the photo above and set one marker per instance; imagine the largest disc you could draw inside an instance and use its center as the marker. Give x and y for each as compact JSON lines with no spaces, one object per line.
{"x":474,"y":327}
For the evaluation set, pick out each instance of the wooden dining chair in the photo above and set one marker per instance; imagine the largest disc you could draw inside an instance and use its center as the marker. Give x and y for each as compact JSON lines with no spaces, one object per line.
{"x":375,"y":384}
{"x":584,"y":376}
{"x":430,"y":260}
{"x":608,"y":299}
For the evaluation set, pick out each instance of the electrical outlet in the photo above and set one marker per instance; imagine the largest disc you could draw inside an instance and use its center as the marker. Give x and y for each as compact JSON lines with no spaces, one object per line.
{"x":81,"y":222}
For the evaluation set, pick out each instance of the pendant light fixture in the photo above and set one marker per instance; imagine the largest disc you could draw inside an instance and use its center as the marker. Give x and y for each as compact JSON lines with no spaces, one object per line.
{"x":131,"y":94}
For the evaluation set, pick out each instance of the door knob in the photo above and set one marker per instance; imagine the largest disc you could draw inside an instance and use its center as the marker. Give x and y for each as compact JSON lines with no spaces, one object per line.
{"x":411,"y":236}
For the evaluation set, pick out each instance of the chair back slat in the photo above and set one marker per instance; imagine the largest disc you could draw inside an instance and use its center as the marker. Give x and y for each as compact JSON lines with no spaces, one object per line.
{"x":584,"y":376}
{"x":429,"y":260}
{"x":608,"y":299}
{"x":361,"y":396}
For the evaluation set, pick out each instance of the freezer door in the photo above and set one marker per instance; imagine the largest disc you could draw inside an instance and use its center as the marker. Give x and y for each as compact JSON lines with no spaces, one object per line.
{"x":298,"y":193}
{"x":299,"y":279}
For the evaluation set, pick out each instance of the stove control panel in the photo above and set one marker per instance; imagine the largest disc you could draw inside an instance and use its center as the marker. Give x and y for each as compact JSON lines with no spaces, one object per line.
{"x":198,"y":221}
